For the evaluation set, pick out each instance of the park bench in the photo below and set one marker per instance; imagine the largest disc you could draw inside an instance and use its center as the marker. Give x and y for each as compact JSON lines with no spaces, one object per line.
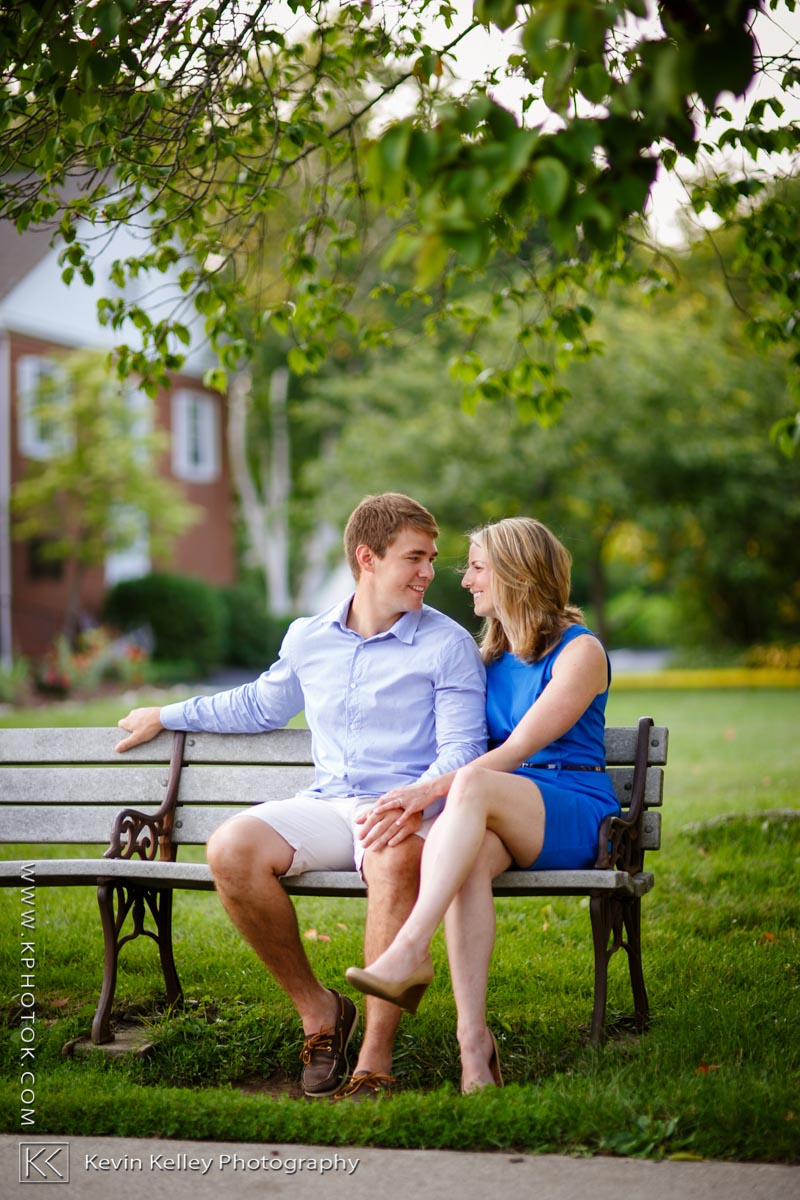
{"x":68,"y":787}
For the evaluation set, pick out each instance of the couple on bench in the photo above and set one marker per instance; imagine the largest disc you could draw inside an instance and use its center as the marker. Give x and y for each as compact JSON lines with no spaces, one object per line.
{"x":402,"y":706}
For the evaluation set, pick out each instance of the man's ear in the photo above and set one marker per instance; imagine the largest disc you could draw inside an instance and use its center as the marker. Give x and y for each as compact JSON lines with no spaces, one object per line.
{"x":366,"y":557}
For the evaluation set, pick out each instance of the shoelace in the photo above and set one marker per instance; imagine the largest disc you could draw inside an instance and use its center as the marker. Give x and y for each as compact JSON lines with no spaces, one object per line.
{"x":372,"y":1080}
{"x":317,"y":1041}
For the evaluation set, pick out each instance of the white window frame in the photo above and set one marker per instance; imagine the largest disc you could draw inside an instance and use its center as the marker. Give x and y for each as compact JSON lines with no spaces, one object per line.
{"x":33,"y":443}
{"x":195,"y":436}
{"x":134,"y":562}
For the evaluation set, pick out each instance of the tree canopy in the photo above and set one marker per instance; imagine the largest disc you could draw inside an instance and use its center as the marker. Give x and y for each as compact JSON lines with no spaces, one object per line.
{"x":682,"y":519}
{"x":196,"y":121}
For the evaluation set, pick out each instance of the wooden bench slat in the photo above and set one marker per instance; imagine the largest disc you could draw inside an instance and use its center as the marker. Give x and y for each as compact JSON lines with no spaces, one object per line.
{"x":621,"y":745}
{"x":36,"y":824}
{"x":87,"y":745}
{"x":77,"y":744}
{"x":144,"y":786}
{"x":76,"y":871}
{"x":287,"y":746}
{"x":193,"y":827}
{"x":129,"y":787}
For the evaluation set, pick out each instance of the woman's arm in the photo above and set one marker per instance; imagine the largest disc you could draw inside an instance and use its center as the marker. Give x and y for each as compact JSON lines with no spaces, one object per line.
{"x":579,"y":674}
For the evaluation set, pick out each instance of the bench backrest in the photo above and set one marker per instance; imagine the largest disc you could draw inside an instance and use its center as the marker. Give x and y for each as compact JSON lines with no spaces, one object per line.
{"x":65,"y":786}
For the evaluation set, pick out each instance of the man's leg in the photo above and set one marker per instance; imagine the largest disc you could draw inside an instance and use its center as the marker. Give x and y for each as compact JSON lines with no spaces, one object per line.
{"x":247,"y":857}
{"x":392,"y":876}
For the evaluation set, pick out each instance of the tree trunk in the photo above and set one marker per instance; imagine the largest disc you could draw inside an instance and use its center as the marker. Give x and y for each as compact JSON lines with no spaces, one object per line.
{"x":599,"y":592}
{"x":266,"y":518}
{"x":278,"y":490}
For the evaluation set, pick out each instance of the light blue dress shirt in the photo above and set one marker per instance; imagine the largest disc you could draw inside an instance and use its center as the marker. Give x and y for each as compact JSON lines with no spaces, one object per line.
{"x":404,"y":705}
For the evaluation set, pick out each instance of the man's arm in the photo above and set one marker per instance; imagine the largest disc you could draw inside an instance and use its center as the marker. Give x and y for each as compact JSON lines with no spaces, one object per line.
{"x":460,"y":715}
{"x":266,"y":703}
{"x":459,"y":710}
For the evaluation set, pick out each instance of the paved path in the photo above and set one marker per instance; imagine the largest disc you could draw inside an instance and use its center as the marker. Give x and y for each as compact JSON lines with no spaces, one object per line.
{"x":123,"y":1169}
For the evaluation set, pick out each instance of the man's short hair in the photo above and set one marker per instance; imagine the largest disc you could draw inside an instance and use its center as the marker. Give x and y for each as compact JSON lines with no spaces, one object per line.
{"x":378,"y":521}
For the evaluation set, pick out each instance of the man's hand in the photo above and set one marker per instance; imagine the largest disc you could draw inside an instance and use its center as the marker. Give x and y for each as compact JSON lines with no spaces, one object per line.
{"x":381,"y":829}
{"x":142,"y":724}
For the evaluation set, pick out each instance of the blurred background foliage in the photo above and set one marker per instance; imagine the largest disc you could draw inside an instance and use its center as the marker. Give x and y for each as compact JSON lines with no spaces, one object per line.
{"x":682,"y":518}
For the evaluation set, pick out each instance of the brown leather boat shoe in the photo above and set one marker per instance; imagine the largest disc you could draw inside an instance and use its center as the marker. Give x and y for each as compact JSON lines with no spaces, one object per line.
{"x":324,"y":1054}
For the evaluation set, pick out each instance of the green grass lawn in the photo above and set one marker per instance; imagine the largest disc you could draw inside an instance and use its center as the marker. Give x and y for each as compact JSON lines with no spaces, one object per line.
{"x":717,"y":1075}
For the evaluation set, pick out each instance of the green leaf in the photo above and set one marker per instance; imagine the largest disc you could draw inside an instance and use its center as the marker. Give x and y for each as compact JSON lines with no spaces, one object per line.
{"x":723,"y":64}
{"x":393,"y":147}
{"x":109,"y":20}
{"x":215,"y":378}
{"x":545,"y":31}
{"x":549,"y":184}
{"x":594,"y":82}
{"x":559,"y":77}
{"x":502,"y":13}
{"x":297,"y":361}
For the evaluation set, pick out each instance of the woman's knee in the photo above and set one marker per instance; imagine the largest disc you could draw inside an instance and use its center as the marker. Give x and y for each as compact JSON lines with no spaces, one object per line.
{"x":471,"y":785}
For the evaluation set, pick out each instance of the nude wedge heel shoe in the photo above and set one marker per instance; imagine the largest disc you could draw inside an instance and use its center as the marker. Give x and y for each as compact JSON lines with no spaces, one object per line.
{"x":406,"y":994}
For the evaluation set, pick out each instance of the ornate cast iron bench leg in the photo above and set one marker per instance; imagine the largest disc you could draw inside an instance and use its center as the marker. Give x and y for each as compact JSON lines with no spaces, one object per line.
{"x":610,"y":916}
{"x":116,"y":901}
{"x":101,"y":1025}
{"x":632,"y":916}
{"x":602,"y":916}
{"x":160,"y":902}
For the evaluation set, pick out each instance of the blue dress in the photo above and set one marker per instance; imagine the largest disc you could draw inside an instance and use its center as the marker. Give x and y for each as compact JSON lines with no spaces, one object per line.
{"x":575,"y":802}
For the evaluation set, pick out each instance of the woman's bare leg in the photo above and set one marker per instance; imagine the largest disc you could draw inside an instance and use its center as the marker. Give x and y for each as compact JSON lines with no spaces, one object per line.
{"x":479,"y":800}
{"x":470,"y":930}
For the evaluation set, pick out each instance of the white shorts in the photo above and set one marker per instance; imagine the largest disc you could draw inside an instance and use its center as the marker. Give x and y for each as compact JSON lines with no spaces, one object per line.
{"x":321,"y":830}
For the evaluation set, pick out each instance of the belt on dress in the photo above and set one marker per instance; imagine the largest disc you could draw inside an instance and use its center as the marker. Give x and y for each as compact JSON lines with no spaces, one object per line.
{"x":560,"y":766}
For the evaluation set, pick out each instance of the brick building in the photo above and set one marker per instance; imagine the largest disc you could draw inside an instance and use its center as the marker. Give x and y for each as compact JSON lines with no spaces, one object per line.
{"x":41,"y":317}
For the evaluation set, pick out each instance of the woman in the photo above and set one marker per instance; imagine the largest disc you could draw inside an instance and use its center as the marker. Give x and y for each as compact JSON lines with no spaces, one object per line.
{"x":535,"y":799}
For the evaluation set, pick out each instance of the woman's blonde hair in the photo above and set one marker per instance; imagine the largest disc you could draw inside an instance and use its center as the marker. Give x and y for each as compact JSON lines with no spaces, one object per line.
{"x":530,"y":587}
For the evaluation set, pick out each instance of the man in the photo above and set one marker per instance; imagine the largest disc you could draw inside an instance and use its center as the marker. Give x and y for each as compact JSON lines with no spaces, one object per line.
{"x":393,"y":692}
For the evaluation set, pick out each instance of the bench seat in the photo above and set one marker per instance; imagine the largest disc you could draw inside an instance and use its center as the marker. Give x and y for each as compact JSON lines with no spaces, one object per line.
{"x":59,"y":872}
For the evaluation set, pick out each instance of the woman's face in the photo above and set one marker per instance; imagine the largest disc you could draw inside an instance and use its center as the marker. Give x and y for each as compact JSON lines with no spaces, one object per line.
{"x":478,"y":580}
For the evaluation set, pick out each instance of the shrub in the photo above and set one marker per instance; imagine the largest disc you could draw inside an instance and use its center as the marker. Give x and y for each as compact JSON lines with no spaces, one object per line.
{"x":95,"y":657}
{"x":780,"y":656}
{"x":187,"y":616}
{"x":639,"y":619}
{"x":254,"y":637}
{"x":14,"y":681}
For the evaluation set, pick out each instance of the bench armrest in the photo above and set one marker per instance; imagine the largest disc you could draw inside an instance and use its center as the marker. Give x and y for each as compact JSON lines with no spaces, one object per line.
{"x":141,"y":834}
{"x":619,"y":840}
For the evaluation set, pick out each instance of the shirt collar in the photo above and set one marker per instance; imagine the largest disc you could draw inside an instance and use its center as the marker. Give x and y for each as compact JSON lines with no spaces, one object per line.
{"x":404,"y":628}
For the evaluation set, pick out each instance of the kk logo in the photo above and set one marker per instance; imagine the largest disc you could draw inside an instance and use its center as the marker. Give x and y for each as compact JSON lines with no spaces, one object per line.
{"x":44,"y":1162}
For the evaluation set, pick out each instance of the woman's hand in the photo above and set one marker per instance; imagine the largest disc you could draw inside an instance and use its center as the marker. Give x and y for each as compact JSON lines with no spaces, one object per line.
{"x":411,"y":798}
{"x":396,"y":815}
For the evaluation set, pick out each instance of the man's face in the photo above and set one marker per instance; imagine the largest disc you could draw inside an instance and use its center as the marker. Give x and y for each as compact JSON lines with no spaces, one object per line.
{"x":401,"y":578}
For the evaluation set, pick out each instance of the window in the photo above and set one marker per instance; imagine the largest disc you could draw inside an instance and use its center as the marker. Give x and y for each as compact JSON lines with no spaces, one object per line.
{"x":39,"y":565}
{"x":134,"y":562}
{"x":37,"y":433}
{"x":195,"y":437}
